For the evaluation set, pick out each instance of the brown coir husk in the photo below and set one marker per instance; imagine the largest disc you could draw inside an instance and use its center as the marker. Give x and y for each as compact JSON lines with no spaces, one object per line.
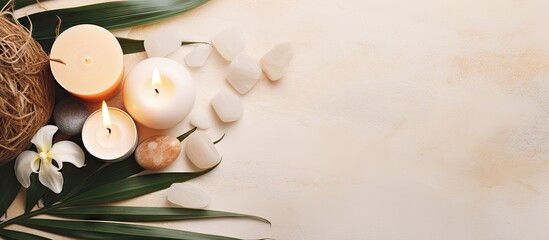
{"x":26,"y":87}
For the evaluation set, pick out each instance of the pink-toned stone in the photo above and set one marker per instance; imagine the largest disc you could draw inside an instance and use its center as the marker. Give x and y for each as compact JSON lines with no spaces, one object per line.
{"x":157,"y":152}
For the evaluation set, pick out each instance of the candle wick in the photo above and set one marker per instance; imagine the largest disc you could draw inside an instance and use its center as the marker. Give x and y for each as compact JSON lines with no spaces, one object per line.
{"x":156,"y":90}
{"x":110,"y":131}
{"x":57,"y":61}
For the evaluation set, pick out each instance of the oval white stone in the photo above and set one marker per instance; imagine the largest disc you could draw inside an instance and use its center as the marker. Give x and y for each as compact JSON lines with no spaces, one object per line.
{"x":201,"y":120}
{"x":162,"y":42}
{"x":198,"y":56}
{"x":243,"y":73}
{"x":228,"y":106}
{"x":276,"y":61}
{"x":201,"y":151}
{"x":229,"y":42}
{"x":186,"y":195}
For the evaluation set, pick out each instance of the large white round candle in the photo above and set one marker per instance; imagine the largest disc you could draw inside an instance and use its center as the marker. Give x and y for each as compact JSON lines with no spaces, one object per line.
{"x":159,"y":93}
{"x":91,"y":62}
{"x":109,"y":135}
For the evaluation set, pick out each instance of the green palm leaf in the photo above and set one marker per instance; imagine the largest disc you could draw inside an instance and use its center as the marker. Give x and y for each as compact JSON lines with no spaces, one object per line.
{"x":16,"y":235}
{"x":111,"y":173}
{"x":219,"y":140}
{"x":34,"y":192}
{"x":110,"y":15}
{"x":134,"y":45}
{"x":132,"y":187}
{"x":107,"y":230}
{"x":76,"y":176}
{"x":143,"y":214}
{"x":185,"y":135}
{"x":8,"y":185}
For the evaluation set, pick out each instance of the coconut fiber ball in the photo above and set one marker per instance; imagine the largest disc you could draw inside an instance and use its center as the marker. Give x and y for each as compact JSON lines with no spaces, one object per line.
{"x":26,"y":88}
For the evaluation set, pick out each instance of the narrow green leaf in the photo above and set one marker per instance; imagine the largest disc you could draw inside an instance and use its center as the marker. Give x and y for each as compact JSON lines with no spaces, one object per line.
{"x":143,"y":214}
{"x":34,"y":192}
{"x":46,"y":44}
{"x":131,"y":45}
{"x":128,"y":45}
{"x":3,"y":3}
{"x":109,"y":173}
{"x":76,"y":176}
{"x":8,"y":185}
{"x":22,"y":3}
{"x":185,"y":135}
{"x":219,"y":140}
{"x":16,"y":235}
{"x":134,"y":45}
{"x":107,"y":230}
{"x":110,"y":15}
{"x":132,"y":187}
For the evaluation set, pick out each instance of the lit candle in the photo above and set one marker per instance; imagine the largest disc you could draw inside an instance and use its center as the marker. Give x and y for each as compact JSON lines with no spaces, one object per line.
{"x":88,"y":62}
{"x":159,"y":93}
{"x":109,"y":134}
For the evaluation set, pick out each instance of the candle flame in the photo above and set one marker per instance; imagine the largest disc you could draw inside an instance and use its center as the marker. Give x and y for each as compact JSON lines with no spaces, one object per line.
{"x":156,"y":80}
{"x":106,"y":116}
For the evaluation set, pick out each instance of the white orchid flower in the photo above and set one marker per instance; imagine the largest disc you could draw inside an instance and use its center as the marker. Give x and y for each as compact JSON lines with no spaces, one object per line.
{"x":41,"y":162}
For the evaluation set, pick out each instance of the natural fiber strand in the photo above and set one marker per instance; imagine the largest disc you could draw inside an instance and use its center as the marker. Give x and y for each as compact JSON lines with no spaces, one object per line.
{"x":26,"y":88}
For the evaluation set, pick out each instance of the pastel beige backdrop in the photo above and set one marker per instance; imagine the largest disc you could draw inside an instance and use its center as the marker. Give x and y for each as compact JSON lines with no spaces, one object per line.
{"x":397,"y":120}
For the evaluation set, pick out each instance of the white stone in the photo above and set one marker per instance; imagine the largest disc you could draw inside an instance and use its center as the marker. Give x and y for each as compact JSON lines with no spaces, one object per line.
{"x":229,"y":43}
{"x":198,"y":56}
{"x":243,"y":73}
{"x":201,"y":151}
{"x":186,"y":195}
{"x":201,"y":120}
{"x":275,"y":62}
{"x":162,"y":42}
{"x":40,"y":203}
{"x":228,"y":106}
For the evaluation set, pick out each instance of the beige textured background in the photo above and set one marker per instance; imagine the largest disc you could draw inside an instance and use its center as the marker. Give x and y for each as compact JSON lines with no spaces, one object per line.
{"x":397,"y":120}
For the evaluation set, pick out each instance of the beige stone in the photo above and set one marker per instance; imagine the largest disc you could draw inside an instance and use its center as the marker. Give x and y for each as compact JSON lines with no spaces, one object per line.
{"x":201,"y":151}
{"x":275,"y":62}
{"x":157,"y":152}
{"x":243,"y":73}
{"x":227,"y":105}
{"x":186,"y":195}
{"x":230,"y":42}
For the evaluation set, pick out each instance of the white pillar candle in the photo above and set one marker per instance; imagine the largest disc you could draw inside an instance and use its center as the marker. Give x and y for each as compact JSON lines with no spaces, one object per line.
{"x":159,"y":93}
{"x":109,"y":134}
{"x":91,"y":64}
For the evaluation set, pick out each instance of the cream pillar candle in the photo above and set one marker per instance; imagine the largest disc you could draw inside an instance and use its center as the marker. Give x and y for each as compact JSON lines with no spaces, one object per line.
{"x":159,"y":93}
{"x":109,"y":134}
{"x":91,"y":62}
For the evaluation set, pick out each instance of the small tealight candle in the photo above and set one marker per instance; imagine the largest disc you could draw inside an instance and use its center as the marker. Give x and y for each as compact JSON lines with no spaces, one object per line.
{"x":159,"y":93}
{"x":109,"y":134}
{"x":89,"y":62}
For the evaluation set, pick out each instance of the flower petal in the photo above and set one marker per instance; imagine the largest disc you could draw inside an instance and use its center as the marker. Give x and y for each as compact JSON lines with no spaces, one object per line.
{"x":50,"y":177}
{"x":35,"y":165}
{"x":23,"y":167}
{"x":43,"y":138}
{"x":67,"y":151}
